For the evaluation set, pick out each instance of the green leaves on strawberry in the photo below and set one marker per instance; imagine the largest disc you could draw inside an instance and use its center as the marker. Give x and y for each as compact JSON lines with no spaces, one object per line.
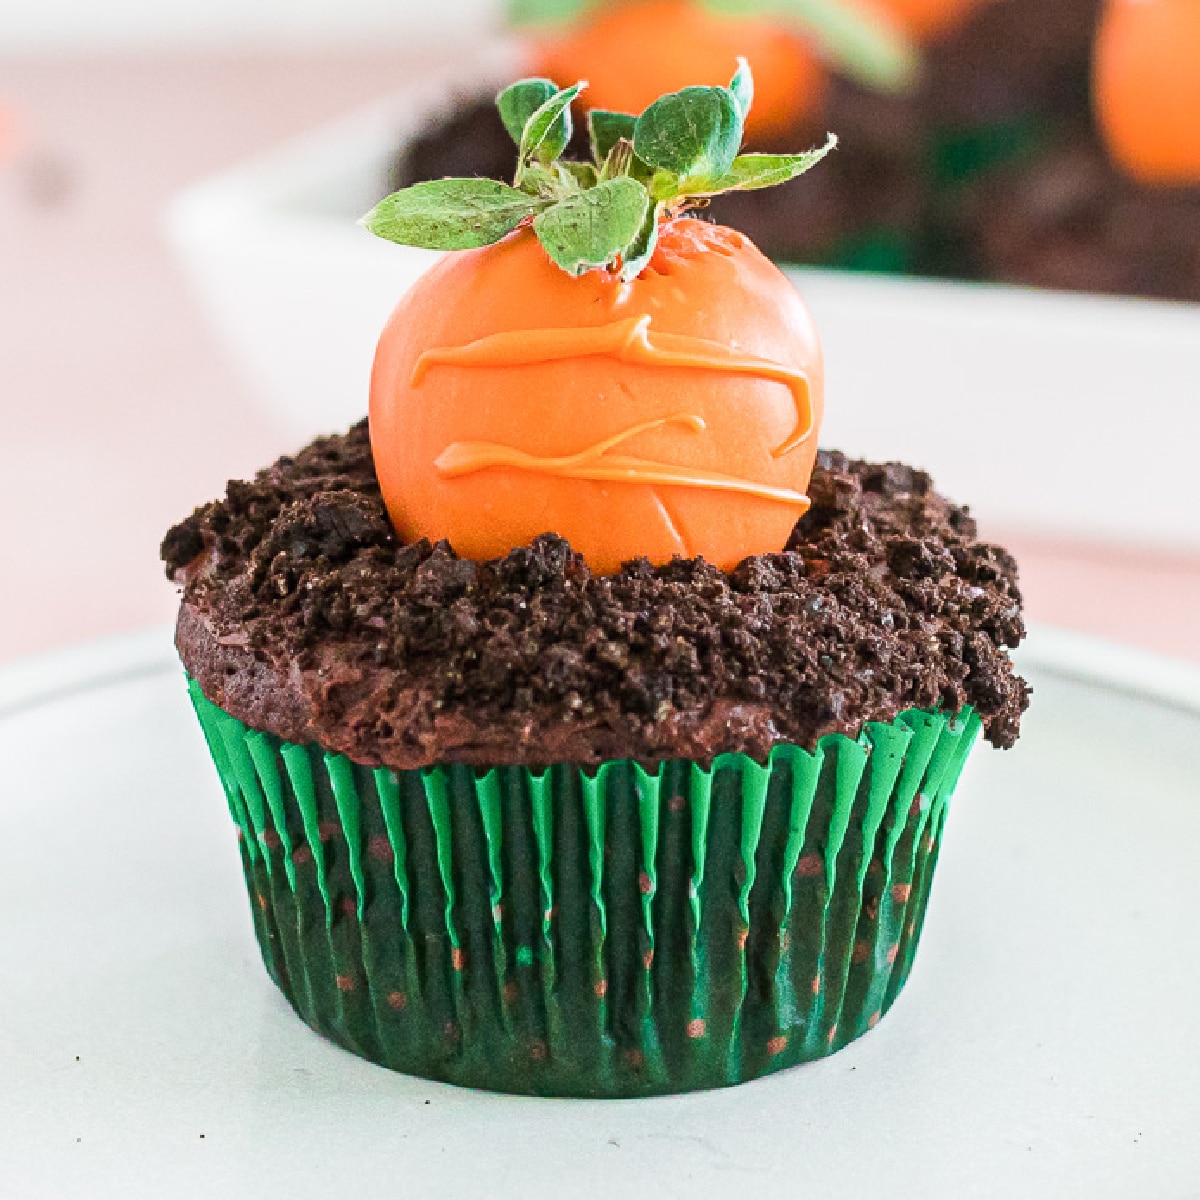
{"x":519,"y":101}
{"x":694,"y":134}
{"x":593,"y":228}
{"x":606,"y":129}
{"x":601,"y":215}
{"x":452,"y":214}
{"x":548,"y":129}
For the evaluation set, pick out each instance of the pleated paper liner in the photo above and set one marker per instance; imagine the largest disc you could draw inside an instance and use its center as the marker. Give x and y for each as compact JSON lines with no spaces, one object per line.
{"x":618,"y":932}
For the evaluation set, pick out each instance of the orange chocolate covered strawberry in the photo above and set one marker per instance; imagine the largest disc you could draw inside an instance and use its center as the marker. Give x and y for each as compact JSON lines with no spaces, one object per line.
{"x":597,"y":365}
{"x":1147,"y":88}
{"x":632,"y":51}
{"x":929,"y":19}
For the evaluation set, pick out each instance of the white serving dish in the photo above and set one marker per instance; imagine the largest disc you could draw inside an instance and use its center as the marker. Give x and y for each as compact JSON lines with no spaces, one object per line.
{"x":1068,"y":415}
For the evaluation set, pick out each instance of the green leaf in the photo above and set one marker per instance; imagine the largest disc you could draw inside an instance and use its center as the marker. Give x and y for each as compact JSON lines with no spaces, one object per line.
{"x":548,"y":130}
{"x":750,"y":172}
{"x":541,"y":181}
{"x":519,"y":101}
{"x":868,"y":46}
{"x":641,"y":249}
{"x":694,"y":133}
{"x":606,"y":129}
{"x":579,"y":174}
{"x":451,"y":214}
{"x":741,"y":88}
{"x":619,"y":160}
{"x":666,"y":185}
{"x":593,"y":228}
{"x":546,"y":12}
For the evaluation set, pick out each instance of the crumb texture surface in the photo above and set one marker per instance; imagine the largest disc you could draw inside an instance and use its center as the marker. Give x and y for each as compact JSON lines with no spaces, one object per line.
{"x":304,"y":615}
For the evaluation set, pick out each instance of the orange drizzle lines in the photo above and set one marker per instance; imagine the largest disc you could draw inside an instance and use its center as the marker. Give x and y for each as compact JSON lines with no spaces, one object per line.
{"x":630,"y":340}
{"x":595,"y":462}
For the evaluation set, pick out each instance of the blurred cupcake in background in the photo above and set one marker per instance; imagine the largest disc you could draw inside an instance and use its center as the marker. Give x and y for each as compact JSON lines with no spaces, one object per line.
{"x":1005,"y":140}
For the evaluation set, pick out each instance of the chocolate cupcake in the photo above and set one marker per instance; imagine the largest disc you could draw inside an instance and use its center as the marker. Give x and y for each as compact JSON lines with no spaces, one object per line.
{"x":559,"y":816}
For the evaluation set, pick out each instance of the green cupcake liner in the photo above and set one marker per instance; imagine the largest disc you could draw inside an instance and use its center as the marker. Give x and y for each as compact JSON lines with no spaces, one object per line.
{"x":616,"y":932}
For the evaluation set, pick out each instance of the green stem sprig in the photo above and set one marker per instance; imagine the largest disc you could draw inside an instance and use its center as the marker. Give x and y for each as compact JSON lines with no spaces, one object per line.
{"x":603,"y":214}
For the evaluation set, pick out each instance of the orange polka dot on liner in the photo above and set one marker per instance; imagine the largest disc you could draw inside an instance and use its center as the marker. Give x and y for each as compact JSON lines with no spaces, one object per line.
{"x":810,"y":865}
{"x":380,"y":849}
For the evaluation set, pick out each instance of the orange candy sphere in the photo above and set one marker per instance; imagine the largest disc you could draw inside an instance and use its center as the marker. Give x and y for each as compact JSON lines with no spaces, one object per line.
{"x":1146,"y":81}
{"x":929,"y":19}
{"x":592,"y":415}
{"x":632,"y":53}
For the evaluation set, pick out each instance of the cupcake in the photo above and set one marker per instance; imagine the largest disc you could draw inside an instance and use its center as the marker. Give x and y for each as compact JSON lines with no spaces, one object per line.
{"x":586,"y":731}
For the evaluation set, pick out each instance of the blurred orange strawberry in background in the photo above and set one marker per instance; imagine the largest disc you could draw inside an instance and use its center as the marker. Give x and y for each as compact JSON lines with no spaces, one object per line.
{"x":1146,"y":80}
{"x":928,"y":19}
{"x":632,"y":53}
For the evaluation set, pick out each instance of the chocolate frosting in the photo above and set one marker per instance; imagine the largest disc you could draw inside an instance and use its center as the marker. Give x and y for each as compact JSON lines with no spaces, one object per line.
{"x":304,"y":615}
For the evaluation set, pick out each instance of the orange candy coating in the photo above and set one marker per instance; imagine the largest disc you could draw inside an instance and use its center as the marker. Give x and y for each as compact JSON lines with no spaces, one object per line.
{"x":704,"y":282}
{"x":1146,"y":82}
{"x":631,"y":53}
{"x":929,"y":19}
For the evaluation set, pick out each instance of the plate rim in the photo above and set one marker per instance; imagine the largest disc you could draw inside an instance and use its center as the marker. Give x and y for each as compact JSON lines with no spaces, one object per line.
{"x":91,"y":666}
{"x":1146,"y":675}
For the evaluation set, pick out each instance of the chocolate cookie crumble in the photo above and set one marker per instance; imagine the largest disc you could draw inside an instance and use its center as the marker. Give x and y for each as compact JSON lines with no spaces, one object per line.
{"x":305,"y":615}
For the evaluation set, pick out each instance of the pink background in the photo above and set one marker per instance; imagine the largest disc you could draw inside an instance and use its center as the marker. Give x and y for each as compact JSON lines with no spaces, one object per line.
{"x":117,"y":411}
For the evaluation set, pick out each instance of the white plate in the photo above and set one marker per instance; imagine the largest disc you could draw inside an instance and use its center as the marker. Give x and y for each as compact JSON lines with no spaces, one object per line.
{"x":1046,"y":1046}
{"x":1034,"y":404}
